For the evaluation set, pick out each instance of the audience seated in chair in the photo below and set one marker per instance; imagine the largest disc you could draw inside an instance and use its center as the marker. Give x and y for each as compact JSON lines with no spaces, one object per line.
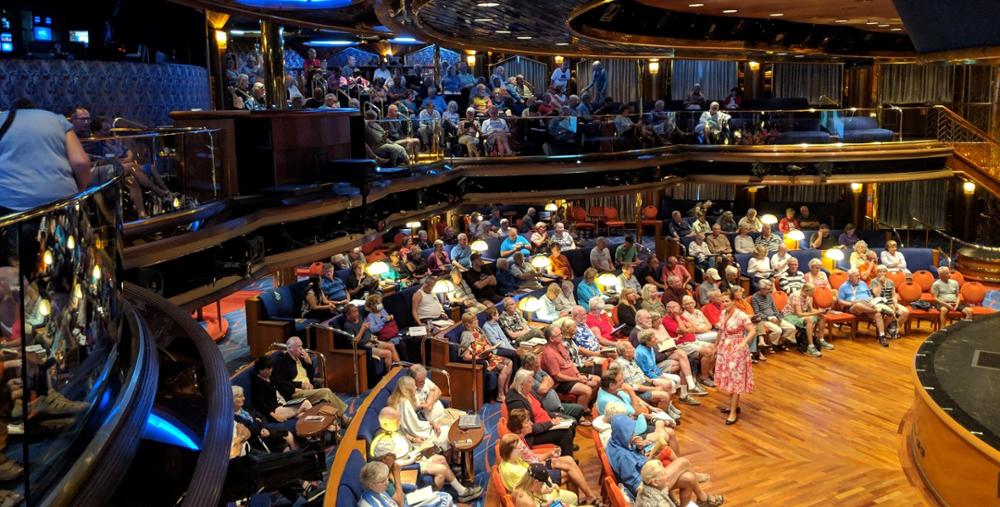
{"x":293,"y":375}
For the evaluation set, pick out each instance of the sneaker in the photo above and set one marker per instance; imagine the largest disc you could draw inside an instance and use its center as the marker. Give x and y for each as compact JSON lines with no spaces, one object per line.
{"x":672,"y":410}
{"x":825,"y":345}
{"x":707,"y":382}
{"x":471,"y":493}
{"x":57,"y":404}
{"x":883,"y":341}
{"x":689,"y":400}
{"x":813,"y":352}
{"x":697,"y":391}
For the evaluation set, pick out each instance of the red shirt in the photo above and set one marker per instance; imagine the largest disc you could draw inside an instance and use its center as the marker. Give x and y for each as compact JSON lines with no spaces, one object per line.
{"x":555,"y":361}
{"x":671,"y":325}
{"x":678,"y":270}
{"x":603,"y":323}
{"x":712,"y":313}
{"x":787,"y":224}
{"x":537,"y":412}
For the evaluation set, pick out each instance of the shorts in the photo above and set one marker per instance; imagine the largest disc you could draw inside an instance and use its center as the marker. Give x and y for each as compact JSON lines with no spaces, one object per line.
{"x":646,"y":396}
{"x":795,"y":320}
{"x":565,"y":387}
{"x":960,"y":308}
{"x":692,"y":349}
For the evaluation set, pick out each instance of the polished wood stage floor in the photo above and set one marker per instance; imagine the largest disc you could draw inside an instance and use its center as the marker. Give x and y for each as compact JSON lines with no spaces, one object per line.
{"x":817,"y":432}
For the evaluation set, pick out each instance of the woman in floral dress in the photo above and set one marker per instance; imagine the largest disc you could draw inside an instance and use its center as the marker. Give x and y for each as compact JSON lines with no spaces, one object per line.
{"x":476,"y":347}
{"x":733,"y":370}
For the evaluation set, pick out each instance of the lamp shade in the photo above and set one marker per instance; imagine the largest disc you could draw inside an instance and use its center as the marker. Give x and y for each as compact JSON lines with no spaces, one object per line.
{"x":96,"y":272}
{"x":856,"y":187}
{"x":443,"y":287}
{"x":968,"y":188}
{"x":540,"y":262}
{"x":47,"y":257}
{"x":529,"y":304}
{"x":479,"y":246}
{"x":607,"y":280}
{"x":796,"y":235}
{"x":378,"y":269}
{"x":834,"y":254}
{"x":70,"y":242}
{"x":769,"y":219}
{"x":44,"y":308}
{"x":413,"y":225}
{"x":654,"y":66}
{"x":551,"y":207}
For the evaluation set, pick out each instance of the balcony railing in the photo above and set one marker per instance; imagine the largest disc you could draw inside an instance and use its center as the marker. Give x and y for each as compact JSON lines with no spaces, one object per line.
{"x":163,"y":169}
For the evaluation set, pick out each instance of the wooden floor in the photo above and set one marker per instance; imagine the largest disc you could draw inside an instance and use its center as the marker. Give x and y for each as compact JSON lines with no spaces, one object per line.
{"x":820,"y":432}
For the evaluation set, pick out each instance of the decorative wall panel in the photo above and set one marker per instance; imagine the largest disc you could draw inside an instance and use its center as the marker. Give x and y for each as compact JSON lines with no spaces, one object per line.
{"x":138,"y":91}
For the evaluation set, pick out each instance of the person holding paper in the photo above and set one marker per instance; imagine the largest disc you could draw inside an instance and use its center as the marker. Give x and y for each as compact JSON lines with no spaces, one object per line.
{"x":545,"y":427}
{"x":516,"y":457}
{"x":384,"y":452}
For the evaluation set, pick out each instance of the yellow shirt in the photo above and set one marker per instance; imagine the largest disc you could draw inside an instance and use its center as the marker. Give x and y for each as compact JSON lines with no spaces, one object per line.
{"x":300,"y":373}
{"x":511,"y":473}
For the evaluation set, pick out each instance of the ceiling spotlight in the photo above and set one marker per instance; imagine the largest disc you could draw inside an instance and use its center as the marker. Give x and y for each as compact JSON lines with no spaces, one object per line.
{"x":502,"y":32}
{"x":800,"y":56}
{"x":523,"y":37}
{"x":482,"y":20}
{"x":696,"y":5}
{"x":897,"y":29}
{"x":776,"y":14}
{"x":871,"y":23}
{"x":883,"y":26}
{"x":840,"y":21}
{"x":562,"y":44}
{"x":487,"y":4}
{"x":730,"y":11}
{"x":782,"y":53}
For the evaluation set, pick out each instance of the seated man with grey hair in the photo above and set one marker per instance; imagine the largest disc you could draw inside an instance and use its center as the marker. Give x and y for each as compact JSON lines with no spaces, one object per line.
{"x":293,"y":374}
{"x":544,"y":389}
{"x":656,"y":391}
{"x":384,"y":454}
{"x":855,"y":297}
{"x":428,"y":394}
{"x":562,"y":237}
{"x":772,"y":323}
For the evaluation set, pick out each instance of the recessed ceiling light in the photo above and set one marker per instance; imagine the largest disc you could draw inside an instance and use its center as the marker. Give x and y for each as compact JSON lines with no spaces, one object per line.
{"x":883,"y":26}
{"x":523,"y":37}
{"x":562,"y":44}
{"x":730,"y":11}
{"x":800,"y":56}
{"x":840,"y":21}
{"x":782,"y":53}
{"x":482,"y":20}
{"x":776,"y":14}
{"x":696,"y":5}
{"x":487,"y":4}
{"x":871,"y":23}
{"x":502,"y":32}
{"x":897,"y":29}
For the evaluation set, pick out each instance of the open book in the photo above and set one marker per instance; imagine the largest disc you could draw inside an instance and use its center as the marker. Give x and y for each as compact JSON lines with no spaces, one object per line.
{"x":668,"y":344}
{"x":565,"y":424}
{"x":417,"y":331}
{"x":422,"y":496}
{"x":534,"y":342}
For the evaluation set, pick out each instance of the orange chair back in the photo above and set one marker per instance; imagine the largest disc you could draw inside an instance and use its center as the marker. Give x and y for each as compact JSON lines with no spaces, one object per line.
{"x":924,"y":279}
{"x":606,"y":470}
{"x":614,"y":493}
{"x":746,"y":302}
{"x":614,"y":316}
{"x":909,"y":292}
{"x":498,"y":481}
{"x":502,"y":426}
{"x":579,"y":214}
{"x":650,"y":212}
{"x":973,"y":293}
{"x":780,"y":300}
{"x":597,"y":212}
{"x":837,"y":278}
{"x":399,"y":238}
{"x":897,"y":277}
{"x":503,"y":411}
{"x":823,"y":297}
{"x":507,"y":501}
{"x":958,"y":277}
{"x":611,"y":213}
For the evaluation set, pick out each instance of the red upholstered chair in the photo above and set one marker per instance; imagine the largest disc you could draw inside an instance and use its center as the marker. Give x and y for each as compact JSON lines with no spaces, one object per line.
{"x":780,"y":300}
{"x":924,"y":279}
{"x":837,"y":278}
{"x":973,"y":294}
{"x":506,"y":501}
{"x":596,"y":213}
{"x":910,"y":292}
{"x":614,"y":494}
{"x":498,"y":481}
{"x":825,"y":298}
{"x":581,"y":221}
{"x":606,"y":470}
{"x":611,"y":220}
{"x":958,"y":277}
{"x":649,"y":214}
{"x":897,"y":277}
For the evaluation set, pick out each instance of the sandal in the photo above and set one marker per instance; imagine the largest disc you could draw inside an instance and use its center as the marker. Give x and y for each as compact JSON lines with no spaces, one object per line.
{"x":712,"y":501}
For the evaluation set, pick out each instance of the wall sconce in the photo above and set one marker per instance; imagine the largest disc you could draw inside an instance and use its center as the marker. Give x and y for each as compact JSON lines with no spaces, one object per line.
{"x":856,"y":187}
{"x":754,"y":66}
{"x":470,"y":58}
{"x":221,"y":39}
{"x":968,"y":188}
{"x":654,"y":66}
{"x":558,"y":59}
{"x":552,"y":206}
{"x":413,"y":225}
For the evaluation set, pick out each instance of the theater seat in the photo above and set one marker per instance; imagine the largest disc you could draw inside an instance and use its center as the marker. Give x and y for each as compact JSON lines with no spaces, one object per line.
{"x":973,"y":294}
{"x":837,"y":278}
{"x":611,"y":220}
{"x":908,"y":293}
{"x":825,"y":298}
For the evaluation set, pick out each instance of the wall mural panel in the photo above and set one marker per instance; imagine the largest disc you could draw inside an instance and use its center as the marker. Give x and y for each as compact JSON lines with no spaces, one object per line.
{"x":138,"y":91}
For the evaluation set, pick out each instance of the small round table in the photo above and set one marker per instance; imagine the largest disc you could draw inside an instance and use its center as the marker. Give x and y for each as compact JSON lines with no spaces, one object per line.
{"x":464,"y":442}
{"x":313,"y":422}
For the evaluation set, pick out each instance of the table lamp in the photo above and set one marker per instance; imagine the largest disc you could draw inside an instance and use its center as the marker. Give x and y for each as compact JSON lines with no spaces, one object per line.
{"x":792,"y":239}
{"x":607,"y":281}
{"x":769,"y":219}
{"x":377,"y":269}
{"x":831,"y":257}
{"x":541,"y":263}
{"x":479,"y":246}
{"x":529,"y":305}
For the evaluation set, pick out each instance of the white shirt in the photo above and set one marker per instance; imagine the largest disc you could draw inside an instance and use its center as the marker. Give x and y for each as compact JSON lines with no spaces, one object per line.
{"x":560,"y":77}
{"x":780,"y":264}
{"x":743,"y":244}
{"x":894,"y":262}
{"x":490,"y":126}
{"x":600,"y":259}
{"x":382,"y":73}
{"x":564,"y":240}
{"x":437,"y":411}
{"x":411,"y":424}
{"x":699,"y":251}
{"x":759,"y":267}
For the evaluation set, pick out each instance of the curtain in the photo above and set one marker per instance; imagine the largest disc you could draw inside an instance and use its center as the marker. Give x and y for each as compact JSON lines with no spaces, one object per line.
{"x":624,"y":203}
{"x":819,"y":83}
{"x":897,"y":202}
{"x":916,"y":84}
{"x":535,"y":73}
{"x":715,"y":77}
{"x":702,"y":191}
{"x":804,"y":193}
{"x":623,"y":78}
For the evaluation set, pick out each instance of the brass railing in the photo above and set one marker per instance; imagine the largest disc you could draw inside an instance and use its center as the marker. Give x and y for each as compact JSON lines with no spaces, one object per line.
{"x":968,"y":140}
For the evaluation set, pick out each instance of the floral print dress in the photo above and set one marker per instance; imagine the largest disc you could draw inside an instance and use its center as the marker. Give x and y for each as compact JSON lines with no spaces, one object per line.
{"x":733,"y":372}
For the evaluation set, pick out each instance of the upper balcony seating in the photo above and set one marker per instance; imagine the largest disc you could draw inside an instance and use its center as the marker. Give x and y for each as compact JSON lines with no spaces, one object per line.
{"x":863,"y":129}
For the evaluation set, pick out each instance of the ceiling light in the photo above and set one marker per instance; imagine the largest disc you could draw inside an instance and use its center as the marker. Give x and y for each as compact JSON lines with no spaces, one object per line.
{"x":776,"y":14}
{"x":782,"y":53}
{"x":871,"y":23}
{"x":562,"y":44}
{"x":523,"y":37}
{"x":800,"y":56}
{"x":730,"y":11}
{"x":330,"y":42}
{"x":696,"y":5}
{"x":482,"y":20}
{"x":487,"y":4}
{"x":897,"y":29}
{"x":404,"y":40}
{"x":883,"y":26}
{"x":840,"y":21}
{"x":502,"y":32}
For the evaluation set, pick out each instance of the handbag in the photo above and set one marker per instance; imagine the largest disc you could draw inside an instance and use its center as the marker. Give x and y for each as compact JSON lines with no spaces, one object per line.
{"x":920,"y":304}
{"x":389,"y":331}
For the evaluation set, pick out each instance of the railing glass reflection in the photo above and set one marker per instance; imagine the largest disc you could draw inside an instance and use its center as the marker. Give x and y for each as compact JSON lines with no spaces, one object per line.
{"x":60,"y":319}
{"x":165,"y":169}
{"x":400,"y":140}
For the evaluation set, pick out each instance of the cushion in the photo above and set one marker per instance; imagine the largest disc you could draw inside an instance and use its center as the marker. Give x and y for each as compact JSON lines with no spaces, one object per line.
{"x":860,"y":123}
{"x":867,"y":136}
{"x":349,"y":490}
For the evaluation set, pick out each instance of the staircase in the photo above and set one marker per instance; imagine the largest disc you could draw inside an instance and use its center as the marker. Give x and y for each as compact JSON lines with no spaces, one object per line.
{"x":976,"y":155}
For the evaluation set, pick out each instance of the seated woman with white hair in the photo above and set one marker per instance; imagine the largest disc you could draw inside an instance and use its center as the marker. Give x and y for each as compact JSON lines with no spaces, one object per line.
{"x":384,"y":453}
{"x":697,"y":322}
{"x":598,"y":320}
{"x":816,"y":276}
{"x":375,"y":482}
{"x":893,"y":259}
{"x":658,"y":479}
{"x":254,"y":431}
